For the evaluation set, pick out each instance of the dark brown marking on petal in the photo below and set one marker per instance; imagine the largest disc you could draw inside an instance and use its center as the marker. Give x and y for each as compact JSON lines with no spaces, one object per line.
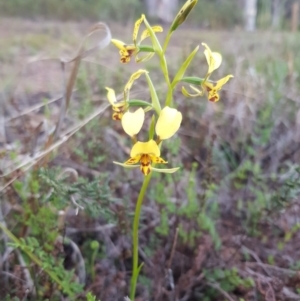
{"x":125,"y":59}
{"x":213,"y":99}
{"x":145,"y":170}
{"x":130,"y":51}
{"x":117,"y":116}
{"x":145,"y":164}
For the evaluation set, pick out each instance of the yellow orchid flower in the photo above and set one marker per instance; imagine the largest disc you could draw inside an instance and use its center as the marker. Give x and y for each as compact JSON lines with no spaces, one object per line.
{"x":147,"y":153}
{"x":128,"y":50}
{"x":214,"y":60}
{"x":119,"y":108}
{"x":212,"y":89}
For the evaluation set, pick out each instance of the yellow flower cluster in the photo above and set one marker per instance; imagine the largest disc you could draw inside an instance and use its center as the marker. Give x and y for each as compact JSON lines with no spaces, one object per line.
{"x":146,"y":154}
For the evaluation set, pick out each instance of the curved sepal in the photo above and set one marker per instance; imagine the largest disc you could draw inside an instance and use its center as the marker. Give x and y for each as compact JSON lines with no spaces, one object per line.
{"x":187,"y":94}
{"x":131,"y":80}
{"x":125,"y":165}
{"x":145,"y":58}
{"x":165,"y":170}
{"x":146,"y":33}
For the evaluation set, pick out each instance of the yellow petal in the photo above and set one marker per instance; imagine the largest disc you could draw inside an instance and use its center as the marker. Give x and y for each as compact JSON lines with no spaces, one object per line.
{"x":158,"y":160}
{"x":146,"y":33}
{"x":133,"y":122}
{"x":133,"y":78}
{"x":111,"y":96}
{"x":221,"y":82}
{"x":214,"y":59}
{"x":149,"y":147}
{"x":136,"y":28}
{"x":119,"y":44}
{"x":133,"y":160}
{"x":168,"y":123}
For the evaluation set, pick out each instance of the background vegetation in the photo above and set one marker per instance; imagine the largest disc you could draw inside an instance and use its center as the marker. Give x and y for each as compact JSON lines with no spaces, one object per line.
{"x":213,"y":14}
{"x":225,"y":227}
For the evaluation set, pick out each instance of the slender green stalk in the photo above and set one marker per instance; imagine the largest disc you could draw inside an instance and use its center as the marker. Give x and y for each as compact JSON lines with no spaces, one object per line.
{"x":135,"y":234}
{"x":167,"y":40}
{"x":164,"y":68}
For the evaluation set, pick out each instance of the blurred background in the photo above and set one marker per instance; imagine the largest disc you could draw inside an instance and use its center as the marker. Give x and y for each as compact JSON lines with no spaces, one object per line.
{"x":212,"y":14}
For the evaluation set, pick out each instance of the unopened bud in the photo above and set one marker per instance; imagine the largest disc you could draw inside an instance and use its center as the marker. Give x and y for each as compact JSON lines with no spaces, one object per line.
{"x":183,"y":13}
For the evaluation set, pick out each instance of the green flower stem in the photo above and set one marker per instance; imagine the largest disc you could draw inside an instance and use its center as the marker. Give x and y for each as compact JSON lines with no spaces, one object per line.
{"x":167,"y":40}
{"x":164,"y":68}
{"x":169,"y":97}
{"x":135,"y":234}
{"x":35,"y":259}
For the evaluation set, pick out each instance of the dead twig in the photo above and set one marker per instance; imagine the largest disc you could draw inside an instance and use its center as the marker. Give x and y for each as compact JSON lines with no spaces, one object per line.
{"x":217,"y":287}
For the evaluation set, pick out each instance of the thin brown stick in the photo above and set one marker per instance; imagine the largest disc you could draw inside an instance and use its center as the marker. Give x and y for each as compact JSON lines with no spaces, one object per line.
{"x":218,"y":288}
{"x":173,"y":249}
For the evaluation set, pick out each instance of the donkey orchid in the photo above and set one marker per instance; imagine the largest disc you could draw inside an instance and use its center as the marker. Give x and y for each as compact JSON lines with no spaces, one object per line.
{"x":148,"y":152}
{"x":129,"y":50}
{"x":214,"y":60}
